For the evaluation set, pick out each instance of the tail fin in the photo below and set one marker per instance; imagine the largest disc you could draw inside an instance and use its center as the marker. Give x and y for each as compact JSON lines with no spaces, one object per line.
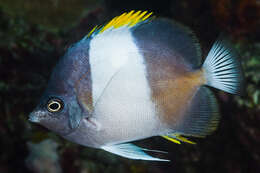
{"x":222,"y":69}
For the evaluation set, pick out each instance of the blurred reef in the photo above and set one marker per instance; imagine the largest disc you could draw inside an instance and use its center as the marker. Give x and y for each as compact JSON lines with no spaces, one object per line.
{"x":34,"y":34}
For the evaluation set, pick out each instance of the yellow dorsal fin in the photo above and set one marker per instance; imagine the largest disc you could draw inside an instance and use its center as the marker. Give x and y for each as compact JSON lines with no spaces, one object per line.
{"x":137,"y":18}
{"x":177,"y":138}
{"x":92,"y":31}
{"x":129,"y":19}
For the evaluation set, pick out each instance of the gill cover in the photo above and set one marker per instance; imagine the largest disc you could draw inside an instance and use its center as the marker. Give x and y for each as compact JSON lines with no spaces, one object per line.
{"x":75,"y":114}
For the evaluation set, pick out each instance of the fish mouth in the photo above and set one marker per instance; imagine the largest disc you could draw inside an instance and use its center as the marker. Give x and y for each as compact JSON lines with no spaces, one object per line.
{"x":33,"y":118}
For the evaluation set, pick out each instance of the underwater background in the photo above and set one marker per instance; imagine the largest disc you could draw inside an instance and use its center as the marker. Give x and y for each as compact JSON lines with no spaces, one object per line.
{"x":34,"y":34}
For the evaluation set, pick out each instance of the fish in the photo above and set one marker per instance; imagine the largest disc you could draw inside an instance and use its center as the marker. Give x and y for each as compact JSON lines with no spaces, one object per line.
{"x":135,"y":77}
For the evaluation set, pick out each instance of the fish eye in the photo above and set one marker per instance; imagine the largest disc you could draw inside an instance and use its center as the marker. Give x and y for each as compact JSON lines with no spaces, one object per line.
{"x":54,"y":105}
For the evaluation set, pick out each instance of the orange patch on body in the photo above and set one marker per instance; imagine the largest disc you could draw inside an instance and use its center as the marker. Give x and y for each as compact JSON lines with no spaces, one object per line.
{"x":172,"y":97}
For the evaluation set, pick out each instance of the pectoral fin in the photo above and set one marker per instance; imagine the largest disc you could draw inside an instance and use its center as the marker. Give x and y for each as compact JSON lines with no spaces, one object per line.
{"x":132,"y":151}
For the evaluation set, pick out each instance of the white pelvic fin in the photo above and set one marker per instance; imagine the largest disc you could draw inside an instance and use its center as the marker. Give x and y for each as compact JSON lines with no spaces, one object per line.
{"x":132,"y":151}
{"x":222,"y":69}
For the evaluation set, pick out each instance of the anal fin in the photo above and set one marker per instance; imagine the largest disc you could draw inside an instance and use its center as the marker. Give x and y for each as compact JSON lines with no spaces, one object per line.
{"x":176,"y":138}
{"x":201,"y":117}
{"x":132,"y":151}
{"x":172,"y":139}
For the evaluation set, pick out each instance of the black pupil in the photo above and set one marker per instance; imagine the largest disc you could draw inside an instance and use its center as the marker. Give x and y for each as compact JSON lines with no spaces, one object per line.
{"x":54,"y":106}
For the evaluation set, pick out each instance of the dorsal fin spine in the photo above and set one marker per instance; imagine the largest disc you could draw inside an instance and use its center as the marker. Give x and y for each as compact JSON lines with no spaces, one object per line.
{"x":138,"y":18}
{"x":129,"y":19}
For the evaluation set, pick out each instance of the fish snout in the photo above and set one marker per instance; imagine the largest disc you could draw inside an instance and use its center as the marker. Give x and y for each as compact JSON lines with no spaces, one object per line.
{"x":36,"y":116}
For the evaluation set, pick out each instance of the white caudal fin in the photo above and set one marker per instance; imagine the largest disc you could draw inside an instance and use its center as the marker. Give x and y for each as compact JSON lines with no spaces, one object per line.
{"x":222,"y":68}
{"x":132,"y":151}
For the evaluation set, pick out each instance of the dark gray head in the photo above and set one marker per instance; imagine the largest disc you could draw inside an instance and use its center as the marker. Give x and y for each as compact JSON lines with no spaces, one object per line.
{"x":67,"y":98}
